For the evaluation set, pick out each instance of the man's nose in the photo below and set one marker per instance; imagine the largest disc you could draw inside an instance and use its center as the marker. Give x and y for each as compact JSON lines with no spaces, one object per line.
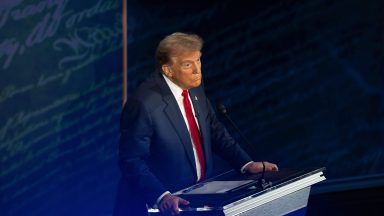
{"x":196,"y":68}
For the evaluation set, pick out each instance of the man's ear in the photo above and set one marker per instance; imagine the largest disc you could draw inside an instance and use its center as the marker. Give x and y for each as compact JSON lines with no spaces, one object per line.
{"x":167,"y":70}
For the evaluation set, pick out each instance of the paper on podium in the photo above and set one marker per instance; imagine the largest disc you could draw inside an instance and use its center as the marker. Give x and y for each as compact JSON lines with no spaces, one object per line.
{"x":214,"y":187}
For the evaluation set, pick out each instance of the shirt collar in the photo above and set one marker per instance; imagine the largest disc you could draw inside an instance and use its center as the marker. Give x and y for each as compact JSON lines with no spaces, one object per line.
{"x":175,"y":89}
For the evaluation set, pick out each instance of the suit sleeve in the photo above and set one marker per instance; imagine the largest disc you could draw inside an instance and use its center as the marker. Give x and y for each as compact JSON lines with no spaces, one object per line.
{"x":223,"y":143}
{"x":134,"y":148}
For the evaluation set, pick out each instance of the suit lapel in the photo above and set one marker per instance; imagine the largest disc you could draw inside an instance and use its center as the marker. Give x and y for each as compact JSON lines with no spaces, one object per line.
{"x":197,"y":105}
{"x":173,"y":113}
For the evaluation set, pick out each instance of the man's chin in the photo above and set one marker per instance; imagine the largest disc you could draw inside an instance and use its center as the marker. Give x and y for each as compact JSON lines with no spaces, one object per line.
{"x":197,"y":84}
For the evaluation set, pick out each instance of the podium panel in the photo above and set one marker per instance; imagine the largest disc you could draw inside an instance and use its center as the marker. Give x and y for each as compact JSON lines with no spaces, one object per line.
{"x":233,"y":194}
{"x":280,"y":206}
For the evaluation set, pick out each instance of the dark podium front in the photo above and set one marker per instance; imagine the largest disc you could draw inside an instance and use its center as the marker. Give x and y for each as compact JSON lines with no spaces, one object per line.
{"x":274,"y":193}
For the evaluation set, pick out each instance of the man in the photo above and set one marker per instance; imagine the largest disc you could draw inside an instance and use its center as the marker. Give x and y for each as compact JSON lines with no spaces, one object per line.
{"x":169,"y":132}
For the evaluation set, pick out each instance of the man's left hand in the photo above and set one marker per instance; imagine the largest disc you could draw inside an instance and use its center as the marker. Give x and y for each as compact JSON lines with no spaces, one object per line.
{"x":256,"y":167}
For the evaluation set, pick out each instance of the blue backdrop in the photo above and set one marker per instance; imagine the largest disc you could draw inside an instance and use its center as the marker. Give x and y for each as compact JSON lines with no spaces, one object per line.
{"x":304,"y":80}
{"x":60,"y":100}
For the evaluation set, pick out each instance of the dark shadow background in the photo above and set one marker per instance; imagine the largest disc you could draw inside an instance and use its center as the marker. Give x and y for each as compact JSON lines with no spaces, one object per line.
{"x":304,"y":81}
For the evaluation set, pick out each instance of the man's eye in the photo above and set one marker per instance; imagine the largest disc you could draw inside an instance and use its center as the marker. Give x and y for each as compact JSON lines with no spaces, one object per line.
{"x":187,"y":65}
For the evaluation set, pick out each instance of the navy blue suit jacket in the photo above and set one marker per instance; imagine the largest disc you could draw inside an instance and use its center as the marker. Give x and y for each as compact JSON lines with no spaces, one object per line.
{"x":155,"y":151}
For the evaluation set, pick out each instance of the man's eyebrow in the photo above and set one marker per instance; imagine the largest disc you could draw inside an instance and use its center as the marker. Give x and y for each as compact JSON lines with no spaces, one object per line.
{"x":187,"y":61}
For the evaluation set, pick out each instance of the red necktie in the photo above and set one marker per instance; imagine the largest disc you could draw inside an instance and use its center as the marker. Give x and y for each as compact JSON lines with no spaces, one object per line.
{"x":194,"y":133}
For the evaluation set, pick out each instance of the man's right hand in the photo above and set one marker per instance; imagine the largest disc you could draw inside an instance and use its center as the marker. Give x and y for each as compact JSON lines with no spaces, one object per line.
{"x":170,"y":204}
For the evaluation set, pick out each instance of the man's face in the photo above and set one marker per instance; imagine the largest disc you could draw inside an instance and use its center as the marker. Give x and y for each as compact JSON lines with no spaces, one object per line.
{"x":185,"y":69}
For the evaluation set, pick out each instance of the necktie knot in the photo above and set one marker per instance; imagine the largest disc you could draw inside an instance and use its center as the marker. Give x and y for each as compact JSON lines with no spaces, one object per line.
{"x":185,"y":93}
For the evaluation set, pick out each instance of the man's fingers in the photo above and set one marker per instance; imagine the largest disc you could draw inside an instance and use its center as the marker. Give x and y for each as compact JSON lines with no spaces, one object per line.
{"x":271,"y":166}
{"x":179,"y":201}
{"x":183,"y":201}
{"x":175,"y":210}
{"x":170,"y":204}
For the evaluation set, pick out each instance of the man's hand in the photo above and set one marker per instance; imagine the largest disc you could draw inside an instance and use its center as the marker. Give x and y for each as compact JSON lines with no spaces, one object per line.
{"x":256,"y":167}
{"x":170,"y":204}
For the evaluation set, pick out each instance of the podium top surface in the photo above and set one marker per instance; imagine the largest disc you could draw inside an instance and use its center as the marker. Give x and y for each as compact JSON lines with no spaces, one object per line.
{"x":235,"y":186}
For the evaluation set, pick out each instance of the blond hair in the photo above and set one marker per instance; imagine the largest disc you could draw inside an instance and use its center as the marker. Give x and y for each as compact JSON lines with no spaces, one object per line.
{"x":175,"y":44}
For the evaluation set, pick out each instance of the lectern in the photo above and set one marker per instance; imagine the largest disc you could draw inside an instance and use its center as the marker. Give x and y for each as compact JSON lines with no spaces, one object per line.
{"x":271,"y":193}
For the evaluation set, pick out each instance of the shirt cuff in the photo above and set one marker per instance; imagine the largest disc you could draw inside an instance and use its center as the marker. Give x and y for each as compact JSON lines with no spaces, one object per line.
{"x":243,"y":167}
{"x":161,"y":197}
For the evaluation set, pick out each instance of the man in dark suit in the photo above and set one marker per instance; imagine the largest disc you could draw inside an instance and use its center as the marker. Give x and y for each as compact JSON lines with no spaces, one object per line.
{"x":169,"y":132}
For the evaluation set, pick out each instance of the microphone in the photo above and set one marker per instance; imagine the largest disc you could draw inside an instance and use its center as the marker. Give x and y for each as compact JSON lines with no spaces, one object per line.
{"x":261,"y":182}
{"x":221,"y":108}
